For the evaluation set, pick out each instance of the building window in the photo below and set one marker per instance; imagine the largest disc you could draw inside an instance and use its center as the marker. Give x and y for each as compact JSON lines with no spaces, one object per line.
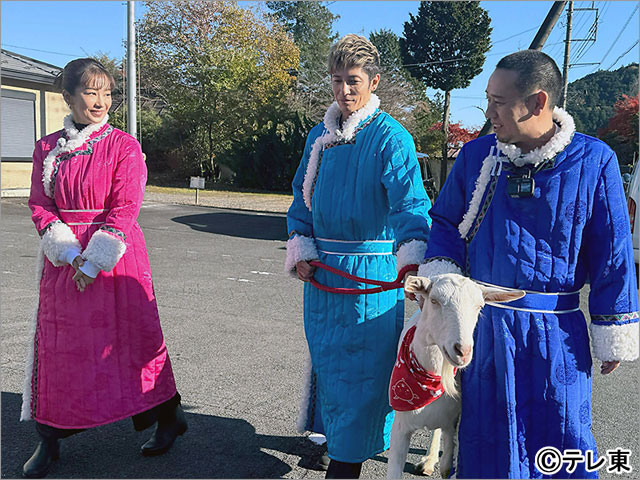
{"x":18,"y":121}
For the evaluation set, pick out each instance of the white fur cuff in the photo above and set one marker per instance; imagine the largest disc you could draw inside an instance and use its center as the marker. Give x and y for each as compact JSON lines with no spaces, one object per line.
{"x":299,"y":248}
{"x":438,"y":267}
{"x":56,"y":241}
{"x":411,"y":253}
{"x":104,"y":250}
{"x":615,"y":342}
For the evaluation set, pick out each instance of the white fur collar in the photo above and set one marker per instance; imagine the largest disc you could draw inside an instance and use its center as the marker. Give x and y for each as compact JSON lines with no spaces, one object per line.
{"x":332,"y":118}
{"x":547,"y":151}
{"x":333,"y":133}
{"x":76,"y":139}
{"x":492,"y":163}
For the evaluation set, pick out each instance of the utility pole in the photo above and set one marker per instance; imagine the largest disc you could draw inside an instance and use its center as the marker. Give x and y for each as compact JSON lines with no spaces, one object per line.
{"x":131,"y":70}
{"x":547,"y":25}
{"x":538,"y":42}
{"x":567,"y":47}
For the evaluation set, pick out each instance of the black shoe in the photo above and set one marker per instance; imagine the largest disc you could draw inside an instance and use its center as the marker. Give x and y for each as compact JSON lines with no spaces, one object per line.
{"x":40,"y":462}
{"x":165,"y":434}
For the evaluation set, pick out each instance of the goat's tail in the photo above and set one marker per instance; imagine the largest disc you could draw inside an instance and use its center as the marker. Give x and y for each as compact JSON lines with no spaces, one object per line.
{"x":448,"y":379}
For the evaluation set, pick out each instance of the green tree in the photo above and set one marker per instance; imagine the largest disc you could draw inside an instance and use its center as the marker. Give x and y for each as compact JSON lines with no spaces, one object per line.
{"x":311,"y":26}
{"x":269,"y":159}
{"x":220,"y":69}
{"x":401,"y":95}
{"x":388,"y":45}
{"x":444,"y":46}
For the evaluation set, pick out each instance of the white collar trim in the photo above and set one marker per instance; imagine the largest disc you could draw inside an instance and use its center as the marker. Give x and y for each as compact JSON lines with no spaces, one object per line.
{"x":555,"y":145}
{"x":76,"y":139}
{"x":334,"y":133}
{"x":492,"y":166}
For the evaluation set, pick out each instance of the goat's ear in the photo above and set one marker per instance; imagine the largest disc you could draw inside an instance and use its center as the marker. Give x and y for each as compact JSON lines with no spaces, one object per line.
{"x":501,"y":296}
{"x":417,"y":285}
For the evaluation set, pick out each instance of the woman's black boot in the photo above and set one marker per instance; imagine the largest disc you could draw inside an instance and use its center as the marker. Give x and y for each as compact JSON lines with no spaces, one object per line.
{"x":39,"y":464}
{"x":169,"y":427}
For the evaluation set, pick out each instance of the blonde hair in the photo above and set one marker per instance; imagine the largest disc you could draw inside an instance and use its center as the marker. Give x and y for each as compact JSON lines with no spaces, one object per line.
{"x":354,"y":51}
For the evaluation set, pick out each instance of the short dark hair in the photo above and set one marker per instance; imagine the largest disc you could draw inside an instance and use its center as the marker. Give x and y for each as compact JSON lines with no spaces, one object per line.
{"x":84,"y":72}
{"x":535,"y":70}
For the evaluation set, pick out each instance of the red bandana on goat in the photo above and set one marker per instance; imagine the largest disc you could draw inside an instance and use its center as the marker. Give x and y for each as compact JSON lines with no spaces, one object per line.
{"x":411,"y":386}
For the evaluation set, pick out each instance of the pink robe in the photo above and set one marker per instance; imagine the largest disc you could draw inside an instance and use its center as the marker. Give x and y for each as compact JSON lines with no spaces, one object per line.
{"x":98,"y":356}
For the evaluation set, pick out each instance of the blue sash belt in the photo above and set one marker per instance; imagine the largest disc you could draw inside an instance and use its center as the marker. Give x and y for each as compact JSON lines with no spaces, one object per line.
{"x":354,"y":247}
{"x":539,"y":302}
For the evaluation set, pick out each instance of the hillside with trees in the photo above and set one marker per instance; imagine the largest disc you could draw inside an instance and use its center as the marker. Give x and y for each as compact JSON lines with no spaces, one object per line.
{"x":591,"y":99}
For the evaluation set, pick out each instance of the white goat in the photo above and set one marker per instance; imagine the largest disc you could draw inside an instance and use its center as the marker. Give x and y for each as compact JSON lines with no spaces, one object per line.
{"x":443,"y":340}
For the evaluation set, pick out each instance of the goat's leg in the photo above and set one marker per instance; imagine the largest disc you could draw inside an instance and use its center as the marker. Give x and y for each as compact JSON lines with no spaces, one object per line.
{"x":448,"y":446}
{"x":428,"y":463}
{"x":400,"y":439}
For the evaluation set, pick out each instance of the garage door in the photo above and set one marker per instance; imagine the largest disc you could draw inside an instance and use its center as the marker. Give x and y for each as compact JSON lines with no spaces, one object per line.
{"x":18,"y":120}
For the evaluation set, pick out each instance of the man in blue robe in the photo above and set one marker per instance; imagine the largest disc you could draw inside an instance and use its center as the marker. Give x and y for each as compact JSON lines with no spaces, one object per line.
{"x":359,"y":206}
{"x":541,"y":208}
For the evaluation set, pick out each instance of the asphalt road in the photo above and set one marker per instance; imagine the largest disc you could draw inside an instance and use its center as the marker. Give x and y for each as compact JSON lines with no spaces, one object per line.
{"x":233,"y":325}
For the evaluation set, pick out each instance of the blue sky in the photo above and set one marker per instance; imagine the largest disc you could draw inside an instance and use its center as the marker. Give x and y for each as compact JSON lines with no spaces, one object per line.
{"x":56,"y":32}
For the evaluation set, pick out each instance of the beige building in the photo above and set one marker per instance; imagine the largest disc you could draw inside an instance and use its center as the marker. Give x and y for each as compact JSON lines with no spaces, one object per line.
{"x":31,"y":109}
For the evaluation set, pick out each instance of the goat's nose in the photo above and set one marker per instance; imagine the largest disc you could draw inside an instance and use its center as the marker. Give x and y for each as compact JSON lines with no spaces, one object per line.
{"x":462,"y":351}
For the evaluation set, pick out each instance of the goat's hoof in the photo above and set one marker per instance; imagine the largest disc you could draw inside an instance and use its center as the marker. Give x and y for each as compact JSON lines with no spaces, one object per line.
{"x":424,"y":467}
{"x":446,"y":473}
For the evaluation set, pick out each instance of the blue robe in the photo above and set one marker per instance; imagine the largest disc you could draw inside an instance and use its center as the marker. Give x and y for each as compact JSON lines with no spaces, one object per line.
{"x":368,"y":199}
{"x":529,"y":384}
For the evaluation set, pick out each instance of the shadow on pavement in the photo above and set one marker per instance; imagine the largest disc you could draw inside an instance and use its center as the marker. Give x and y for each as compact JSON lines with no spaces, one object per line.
{"x":245,"y":225}
{"x":213,"y":447}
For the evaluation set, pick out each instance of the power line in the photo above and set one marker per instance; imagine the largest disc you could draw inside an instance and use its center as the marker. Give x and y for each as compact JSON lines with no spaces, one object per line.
{"x":43,"y":51}
{"x":584,"y":48}
{"x":584,"y":18}
{"x":513,"y":36}
{"x":587,"y":45}
{"x":625,"y":52}
{"x":449,"y":60}
{"x":617,"y":38}
{"x":588,"y":40}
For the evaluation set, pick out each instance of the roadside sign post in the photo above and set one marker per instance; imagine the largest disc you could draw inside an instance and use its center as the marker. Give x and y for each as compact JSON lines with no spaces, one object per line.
{"x":197,"y":183}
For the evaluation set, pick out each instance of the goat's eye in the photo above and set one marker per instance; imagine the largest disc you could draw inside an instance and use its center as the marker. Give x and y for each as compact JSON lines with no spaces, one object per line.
{"x":434,"y":302}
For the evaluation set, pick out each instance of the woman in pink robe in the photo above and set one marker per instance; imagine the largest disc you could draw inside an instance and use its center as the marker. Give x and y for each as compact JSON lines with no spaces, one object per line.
{"x":98,"y":354}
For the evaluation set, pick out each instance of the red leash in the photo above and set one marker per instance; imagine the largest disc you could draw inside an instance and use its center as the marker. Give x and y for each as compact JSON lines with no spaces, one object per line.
{"x":382,"y":286}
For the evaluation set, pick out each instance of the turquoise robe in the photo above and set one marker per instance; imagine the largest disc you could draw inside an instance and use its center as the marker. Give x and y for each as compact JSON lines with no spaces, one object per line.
{"x":367,"y":200}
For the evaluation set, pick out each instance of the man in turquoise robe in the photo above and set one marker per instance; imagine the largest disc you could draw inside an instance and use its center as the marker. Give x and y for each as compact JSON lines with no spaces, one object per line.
{"x":359,"y":206}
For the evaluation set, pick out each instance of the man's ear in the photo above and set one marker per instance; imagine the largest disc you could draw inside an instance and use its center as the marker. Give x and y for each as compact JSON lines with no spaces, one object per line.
{"x":375,"y":82}
{"x":538,"y":102}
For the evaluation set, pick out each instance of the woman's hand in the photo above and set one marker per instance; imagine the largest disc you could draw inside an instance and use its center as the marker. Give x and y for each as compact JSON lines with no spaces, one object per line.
{"x":304,"y":270}
{"x":82,"y":280}
{"x":608,"y":367}
{"x":77,"y":263}
{"x":409,"y":295}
